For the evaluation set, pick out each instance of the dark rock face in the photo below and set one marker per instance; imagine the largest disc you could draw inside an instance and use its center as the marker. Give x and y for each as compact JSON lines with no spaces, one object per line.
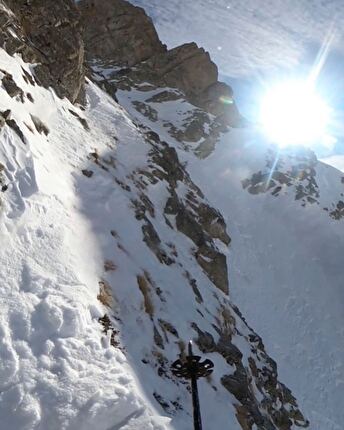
{"x":193,"y":216}
{"x":11,"y":87}
{"x":187,"y":67}
{"x":5,"y":119}
{"x":193,"y":219}
{"x":218,"y":99}
{"x":190,"y":69}
{"x":298,"y":178}
{"x":278,"y":409}
{"x":214,"y":263}
{"x":48,"y":33}
{"x":10,"y":32}
{"x":338,"y":212}
{"x":118,"y":31}
{"x":121,"y":35}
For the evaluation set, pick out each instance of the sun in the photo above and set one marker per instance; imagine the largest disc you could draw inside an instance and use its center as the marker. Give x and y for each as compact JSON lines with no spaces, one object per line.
{"x":292,"y":113}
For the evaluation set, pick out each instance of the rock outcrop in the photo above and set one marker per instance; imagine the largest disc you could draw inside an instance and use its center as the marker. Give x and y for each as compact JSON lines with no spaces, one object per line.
{"x":121,"y":35}
{"x":119,"y":31}
{"x":49,"y":34}
{"x":187,"y":67}
{"x":261,"y":374}
{"x":190,"y":215}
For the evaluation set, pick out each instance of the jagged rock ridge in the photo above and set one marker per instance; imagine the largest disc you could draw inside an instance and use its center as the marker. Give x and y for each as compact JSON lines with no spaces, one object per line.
{"x":121,"y":34}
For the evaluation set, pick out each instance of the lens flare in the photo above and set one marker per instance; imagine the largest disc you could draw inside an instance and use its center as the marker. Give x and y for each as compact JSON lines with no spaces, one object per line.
{"x":292,"y":113}
{"x":226,"y":100}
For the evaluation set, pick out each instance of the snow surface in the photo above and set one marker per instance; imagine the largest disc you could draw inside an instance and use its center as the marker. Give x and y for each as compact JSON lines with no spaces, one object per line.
{"x":60,"y":230}
{"x":57,"y":369}
{"x":286,"y":260}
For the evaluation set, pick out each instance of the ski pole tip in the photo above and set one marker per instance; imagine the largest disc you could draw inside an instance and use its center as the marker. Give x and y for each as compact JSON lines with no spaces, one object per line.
{"x":190,"y":347}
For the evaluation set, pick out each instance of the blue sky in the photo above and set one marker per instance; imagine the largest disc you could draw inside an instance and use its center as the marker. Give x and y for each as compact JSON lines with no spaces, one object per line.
{"x":254,"y":42}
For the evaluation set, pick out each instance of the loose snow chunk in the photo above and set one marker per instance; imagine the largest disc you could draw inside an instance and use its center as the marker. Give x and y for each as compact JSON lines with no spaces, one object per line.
{"x":8,"y":357}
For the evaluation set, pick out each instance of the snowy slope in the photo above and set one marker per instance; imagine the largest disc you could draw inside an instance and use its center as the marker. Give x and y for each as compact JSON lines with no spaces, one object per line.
{"x":100,"y":290}
{"x":57,"y":369}
{"x":286,"y":251}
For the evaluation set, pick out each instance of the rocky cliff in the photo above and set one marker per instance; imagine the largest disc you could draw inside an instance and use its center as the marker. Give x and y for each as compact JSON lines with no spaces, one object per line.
{"x":119,"y":32}
{"x":49,"y":35}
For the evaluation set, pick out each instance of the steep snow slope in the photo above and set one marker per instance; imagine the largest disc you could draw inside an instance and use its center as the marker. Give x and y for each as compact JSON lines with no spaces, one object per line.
{"x":57,"y":369}
{"x":286,"y":276}
{"x":284,"y":211}
{"x":96,"y":207}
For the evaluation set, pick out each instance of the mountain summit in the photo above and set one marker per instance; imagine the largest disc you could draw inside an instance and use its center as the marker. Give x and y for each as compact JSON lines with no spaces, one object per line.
{"x":140,"y":210}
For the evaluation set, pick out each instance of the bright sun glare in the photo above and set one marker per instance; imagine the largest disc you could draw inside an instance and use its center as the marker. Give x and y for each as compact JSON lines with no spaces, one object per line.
{"x":292,"y":113}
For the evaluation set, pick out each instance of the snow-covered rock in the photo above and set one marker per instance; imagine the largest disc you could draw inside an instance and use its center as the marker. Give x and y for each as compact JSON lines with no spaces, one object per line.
{"x":118,"y":33}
